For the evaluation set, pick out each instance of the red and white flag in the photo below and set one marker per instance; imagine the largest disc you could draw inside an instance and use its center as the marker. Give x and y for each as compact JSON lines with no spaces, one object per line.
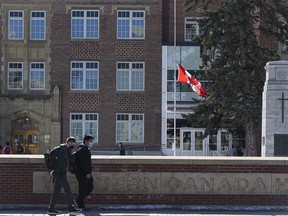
{"x":185,"y":77}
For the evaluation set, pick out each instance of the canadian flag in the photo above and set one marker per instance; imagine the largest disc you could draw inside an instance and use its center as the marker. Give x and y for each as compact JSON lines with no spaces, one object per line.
{"x":185,"y":77}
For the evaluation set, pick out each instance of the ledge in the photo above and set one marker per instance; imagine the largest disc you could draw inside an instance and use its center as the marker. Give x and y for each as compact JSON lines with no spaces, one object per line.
{"x":115,"y":159}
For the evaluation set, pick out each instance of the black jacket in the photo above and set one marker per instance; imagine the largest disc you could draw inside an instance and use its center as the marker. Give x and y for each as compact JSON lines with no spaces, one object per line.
{"x":83,"y":160}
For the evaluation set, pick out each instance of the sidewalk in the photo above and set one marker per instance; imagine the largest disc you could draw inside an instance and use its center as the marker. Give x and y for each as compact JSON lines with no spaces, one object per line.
{"x":152,"y":210}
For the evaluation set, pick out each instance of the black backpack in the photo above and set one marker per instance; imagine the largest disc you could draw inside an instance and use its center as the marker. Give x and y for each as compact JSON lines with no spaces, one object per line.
{"x":50,"y":158}
{"x":7,"y":150}
{"x":72,"y":162}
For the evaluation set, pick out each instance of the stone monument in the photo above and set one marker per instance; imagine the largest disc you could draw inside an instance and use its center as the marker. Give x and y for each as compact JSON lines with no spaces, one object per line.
{"x":275,"y":110}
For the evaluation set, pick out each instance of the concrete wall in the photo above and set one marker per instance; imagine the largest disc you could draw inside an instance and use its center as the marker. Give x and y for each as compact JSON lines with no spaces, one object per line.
{"x":155,"y":180}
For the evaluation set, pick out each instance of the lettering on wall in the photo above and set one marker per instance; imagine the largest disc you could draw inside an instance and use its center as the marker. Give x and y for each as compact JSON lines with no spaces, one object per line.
{"x":175,"y":183}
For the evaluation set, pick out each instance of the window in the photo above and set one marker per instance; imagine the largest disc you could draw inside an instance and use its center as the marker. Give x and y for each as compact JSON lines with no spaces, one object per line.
{"x":130,"y":76}
{"x":184,"y":92}
{"x":191,"y":61}
{"x":225,"y":139}
{"x":85,"y":24}
{"x":15,"y":75}
{"x":191,"y":28}
{"x":130,"y":128}
{"x":37,"y":76}
{"x":284,"y":47}
{"x":84,"y":75}
{"x":16,"y":25}
{"x":84,"y":123}
{"x":180,"y":123}
{"x":130,"y":24}
{"x":213,"y":142}
{"x":37,"y":25}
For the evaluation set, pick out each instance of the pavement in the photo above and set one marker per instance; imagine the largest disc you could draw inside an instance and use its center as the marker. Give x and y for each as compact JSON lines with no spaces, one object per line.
{"x":151,"y":210}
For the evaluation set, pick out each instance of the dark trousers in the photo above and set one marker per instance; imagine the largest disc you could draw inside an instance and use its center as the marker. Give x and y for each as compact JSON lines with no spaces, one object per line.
{"x":85,"y":187}
{"x":60,"y":180}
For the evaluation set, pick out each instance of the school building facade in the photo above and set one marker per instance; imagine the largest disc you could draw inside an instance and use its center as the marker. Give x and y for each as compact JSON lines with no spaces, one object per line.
{"x":99,"y":67}
{"x":70,"y":68}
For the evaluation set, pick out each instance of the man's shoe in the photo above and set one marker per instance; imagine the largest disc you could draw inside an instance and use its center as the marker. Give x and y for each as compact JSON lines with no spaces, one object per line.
{"x":53,"y":211}
{"x":75,"y":210}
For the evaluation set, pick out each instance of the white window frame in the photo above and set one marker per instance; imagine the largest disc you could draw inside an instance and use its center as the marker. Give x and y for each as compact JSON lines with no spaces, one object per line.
{"x":85,"y":77}
{"x":19,"y":35}
{"x":17,"y":69}
{"x":124,"y":127}
{"x":40,"y":69}
{"x":85,"y":19}
{"x":195,"y":21}
{"x":131,"y":19}
{"x":133,"y":69}
{"x":41,"y":27}
{"x":79,"y":125}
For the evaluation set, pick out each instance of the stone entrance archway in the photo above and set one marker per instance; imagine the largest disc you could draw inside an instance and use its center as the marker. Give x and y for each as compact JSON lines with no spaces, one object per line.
{"x":26,"y":131}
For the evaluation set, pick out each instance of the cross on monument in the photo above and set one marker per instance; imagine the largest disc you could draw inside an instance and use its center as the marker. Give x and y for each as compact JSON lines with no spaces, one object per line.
{"x":282,"y":100}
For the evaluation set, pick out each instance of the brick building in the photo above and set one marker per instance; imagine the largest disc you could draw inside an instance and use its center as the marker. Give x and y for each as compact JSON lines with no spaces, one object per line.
{"x":70,"y":68}
{"x":100,"y":67}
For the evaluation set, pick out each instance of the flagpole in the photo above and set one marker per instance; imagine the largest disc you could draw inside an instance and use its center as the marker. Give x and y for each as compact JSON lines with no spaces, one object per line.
{"x":175,"y":60}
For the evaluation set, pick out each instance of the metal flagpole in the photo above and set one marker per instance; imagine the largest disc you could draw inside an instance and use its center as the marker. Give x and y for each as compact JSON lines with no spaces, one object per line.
{"x":174,"y":111}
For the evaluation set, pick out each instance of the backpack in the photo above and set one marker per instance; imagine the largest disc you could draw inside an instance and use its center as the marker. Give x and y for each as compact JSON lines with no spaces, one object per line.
{"x":72,"y":168}
{"x":50,"y":158}
{"x":7,"y":150}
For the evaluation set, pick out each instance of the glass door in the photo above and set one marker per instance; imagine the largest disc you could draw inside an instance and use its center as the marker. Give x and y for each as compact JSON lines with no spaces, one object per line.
{"x":26,"y":131}
{"x":192,"y":142}
{"x":29,"y":139}
{"x":186,"y":142}
{"x":225,"y":143}
{"x":198,"y":142}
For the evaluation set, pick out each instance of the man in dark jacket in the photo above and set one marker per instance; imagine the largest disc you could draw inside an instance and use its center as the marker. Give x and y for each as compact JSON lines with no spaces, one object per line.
{"x":84,"y":170}
{"x":60,"y":177}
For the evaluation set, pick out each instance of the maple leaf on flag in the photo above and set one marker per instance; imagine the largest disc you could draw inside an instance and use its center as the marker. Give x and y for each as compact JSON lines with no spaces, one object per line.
{"x":185,"y":77}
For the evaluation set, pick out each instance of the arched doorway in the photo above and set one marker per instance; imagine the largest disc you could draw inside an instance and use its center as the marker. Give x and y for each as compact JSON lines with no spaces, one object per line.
{"x":26,"y":131}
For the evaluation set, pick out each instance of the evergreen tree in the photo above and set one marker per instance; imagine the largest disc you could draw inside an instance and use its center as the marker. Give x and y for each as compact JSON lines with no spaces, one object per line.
{"x":234,"y":51}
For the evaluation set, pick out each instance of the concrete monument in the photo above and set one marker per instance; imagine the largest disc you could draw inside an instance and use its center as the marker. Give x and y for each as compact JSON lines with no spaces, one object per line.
{"x":275,"y":110}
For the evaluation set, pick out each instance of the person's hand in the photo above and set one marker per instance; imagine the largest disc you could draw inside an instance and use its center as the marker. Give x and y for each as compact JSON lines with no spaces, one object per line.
{"x":88,"y":176}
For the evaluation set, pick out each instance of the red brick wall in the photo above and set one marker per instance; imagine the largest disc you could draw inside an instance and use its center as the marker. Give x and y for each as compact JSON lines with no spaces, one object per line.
{"x":107,"y":50}
{"x":168,"y":19}
{"x":16,"y":178}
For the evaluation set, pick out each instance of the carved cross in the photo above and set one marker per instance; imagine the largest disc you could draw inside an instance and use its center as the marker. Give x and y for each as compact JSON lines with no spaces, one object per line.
{"x":282,"y":100}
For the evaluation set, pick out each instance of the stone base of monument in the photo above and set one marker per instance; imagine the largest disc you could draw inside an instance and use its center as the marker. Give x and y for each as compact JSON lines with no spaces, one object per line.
{"x":275,"y":110}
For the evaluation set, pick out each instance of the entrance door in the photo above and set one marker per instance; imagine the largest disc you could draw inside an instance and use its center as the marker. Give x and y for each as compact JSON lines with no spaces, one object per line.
{"x":192,"y":142}
{"x":29,"y":139}
{"x":26,"y":131}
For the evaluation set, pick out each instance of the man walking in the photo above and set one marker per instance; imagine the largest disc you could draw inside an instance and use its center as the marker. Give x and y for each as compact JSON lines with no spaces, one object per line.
{"x":60,"y":178}
{"x":84,"y":170}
